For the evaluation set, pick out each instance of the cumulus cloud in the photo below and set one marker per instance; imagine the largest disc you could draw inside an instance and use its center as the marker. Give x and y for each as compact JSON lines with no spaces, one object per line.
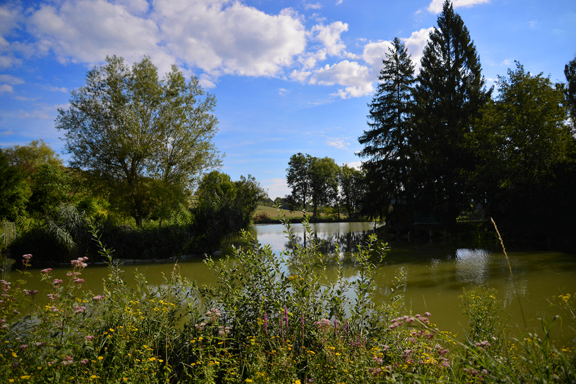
{"x":242,"y":40}
{"x":338,"y":143}
{"x":354,"y":76}
{"x":56,"y":89}
{"x":436,"y":5}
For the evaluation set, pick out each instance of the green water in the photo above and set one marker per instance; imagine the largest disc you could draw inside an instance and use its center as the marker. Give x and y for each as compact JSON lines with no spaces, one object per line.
{"x":435,"y":274}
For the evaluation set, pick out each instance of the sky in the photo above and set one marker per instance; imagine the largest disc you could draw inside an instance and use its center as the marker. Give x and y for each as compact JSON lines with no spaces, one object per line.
{"x":288,"y":76}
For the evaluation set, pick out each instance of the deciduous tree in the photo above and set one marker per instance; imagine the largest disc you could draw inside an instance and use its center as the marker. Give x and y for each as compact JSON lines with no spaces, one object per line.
{"x":127,"y":127}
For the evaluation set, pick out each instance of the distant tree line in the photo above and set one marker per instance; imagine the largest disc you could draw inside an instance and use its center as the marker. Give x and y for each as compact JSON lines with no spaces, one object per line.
{"x":318,"y":182}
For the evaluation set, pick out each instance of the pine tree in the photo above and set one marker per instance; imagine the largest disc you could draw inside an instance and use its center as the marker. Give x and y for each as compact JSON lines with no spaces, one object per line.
{"x":387,"y":144}
{"x":449,"y":93}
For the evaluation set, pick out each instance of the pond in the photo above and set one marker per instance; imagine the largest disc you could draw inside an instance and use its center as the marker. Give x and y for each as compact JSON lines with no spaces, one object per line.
{"x":435,"y":274}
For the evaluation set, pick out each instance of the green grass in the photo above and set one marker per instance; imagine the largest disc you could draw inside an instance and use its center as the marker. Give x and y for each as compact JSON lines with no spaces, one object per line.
{"x":275,"y":214}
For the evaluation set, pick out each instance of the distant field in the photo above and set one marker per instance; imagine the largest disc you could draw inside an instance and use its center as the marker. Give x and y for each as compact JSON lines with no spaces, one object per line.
{"x":273,"y":213}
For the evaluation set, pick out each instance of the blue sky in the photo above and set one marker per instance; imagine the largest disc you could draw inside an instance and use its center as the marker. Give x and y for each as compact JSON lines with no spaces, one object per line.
{"x":289,"y":76}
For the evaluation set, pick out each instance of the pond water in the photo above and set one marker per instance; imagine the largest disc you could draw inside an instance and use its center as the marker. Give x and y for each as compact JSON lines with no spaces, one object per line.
{"x":436,"y":274}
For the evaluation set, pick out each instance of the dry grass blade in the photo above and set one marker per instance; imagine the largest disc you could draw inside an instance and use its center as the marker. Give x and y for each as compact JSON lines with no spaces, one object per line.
{"x":510,"y":267}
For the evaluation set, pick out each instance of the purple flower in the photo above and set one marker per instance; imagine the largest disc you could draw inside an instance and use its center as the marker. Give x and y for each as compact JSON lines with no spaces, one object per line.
{"x":84,"y":361}
{"x":67,"y":360}
{"x":98,"y":298}
{"x":266,"y":323}
{"x":24,"y":346}
{"x":27,"y":257}
{"x":46,"y":271}
{"x":89,"y":337}
{"x":57,"y":282}
{"x":427,"y":314}
{"x":78,"y":281}
{"x":40,"y":344}
{"x":53,"y":297}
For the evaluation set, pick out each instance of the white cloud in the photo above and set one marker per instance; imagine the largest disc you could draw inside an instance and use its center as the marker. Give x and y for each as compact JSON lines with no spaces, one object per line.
{"x":56,"y":89}
{"x":329,"y":36}
{"x":355,"y":164}
{"x":416,"y":43}
{"x":312,"y":6}
{"x":6,"y":88}
{"x":338,"y":143}
{"x":9,"y":79}
{"x":300,"y":76}
{"x":507,"y":62}
{"x":87,"y":31}
{"x":436,"y":5}
{"x":242,"y":40}
{"x":354,"y":76}
{"x":283,"y":91}
{"x":276,"y":187}
{"x":339,"y":2}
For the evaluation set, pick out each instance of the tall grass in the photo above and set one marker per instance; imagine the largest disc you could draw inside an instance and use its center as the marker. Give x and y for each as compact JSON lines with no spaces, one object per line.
{"x":269,"y":319}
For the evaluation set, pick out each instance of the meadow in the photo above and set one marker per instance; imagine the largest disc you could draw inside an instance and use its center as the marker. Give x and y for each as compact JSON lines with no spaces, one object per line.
{"x":262,"y":324}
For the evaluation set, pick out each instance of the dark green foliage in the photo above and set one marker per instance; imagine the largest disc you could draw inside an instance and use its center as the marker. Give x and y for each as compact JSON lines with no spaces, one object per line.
{"x":388,"y":144}
{"x":448,"y":96}
{"x":31,"y":156}
{"x":224,"y":208}
{"x":50,"y":188}
{"x":14,"y":190}
{"x":312,"y":179}
{"x":570,"y":91}
{"x":352,"y":190}
{"x":298,"y":178}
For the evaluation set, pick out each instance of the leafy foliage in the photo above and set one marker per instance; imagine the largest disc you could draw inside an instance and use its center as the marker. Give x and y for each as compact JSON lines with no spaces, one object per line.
{"x":129,"y":128}
{"x":14,"y":190}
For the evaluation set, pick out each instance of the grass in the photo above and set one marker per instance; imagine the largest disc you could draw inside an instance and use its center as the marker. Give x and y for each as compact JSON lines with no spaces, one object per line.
{"x":276,"y":214}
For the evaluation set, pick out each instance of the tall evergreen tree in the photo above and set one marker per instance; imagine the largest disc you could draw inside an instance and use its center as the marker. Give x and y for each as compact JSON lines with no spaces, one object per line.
{"x":570,"y":90}
{"x":387,"y":144}
{"x":449,"y":93}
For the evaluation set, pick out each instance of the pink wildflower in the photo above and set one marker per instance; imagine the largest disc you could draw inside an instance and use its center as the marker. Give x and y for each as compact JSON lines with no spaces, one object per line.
{"x":427,"y":314}
{"x":27,"y":257}
{"x":84,"y":361}
{"x":57,"y":282}
{"x":24,"y":346}
{"x":98,"y":298}
{"x":89,"y":337}
{"x":46,"y":271}
{"x":67,"y":360}
{"x":79,"y":309}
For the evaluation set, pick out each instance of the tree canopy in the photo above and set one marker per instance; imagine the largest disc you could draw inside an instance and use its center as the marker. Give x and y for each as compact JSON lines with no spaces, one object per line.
{"x":135,"y":131}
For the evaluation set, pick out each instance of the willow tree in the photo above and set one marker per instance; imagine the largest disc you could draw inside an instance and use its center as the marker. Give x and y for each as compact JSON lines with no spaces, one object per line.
{"x":133,"y":130}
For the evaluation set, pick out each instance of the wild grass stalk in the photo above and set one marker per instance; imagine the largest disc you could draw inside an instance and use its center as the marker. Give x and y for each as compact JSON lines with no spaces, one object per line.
{"x":511,"y":274}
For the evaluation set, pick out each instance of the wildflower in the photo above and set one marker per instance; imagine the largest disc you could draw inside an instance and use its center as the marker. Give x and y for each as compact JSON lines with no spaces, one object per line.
{"x":53,"y":296}
{"x":100,"y":357}
{"x":89,"y":337}
{"x":53,"y":309}
{"x":427,"y":314}
{"x":248,"y":380}
{"x":84,"y":361}
{"x":67,"y":360}
{"x":46,"y":271}
{"x":57,"y":282}
{"x":98,"y":298}
{"x":40,"y":344}
{"x":24,"y":346}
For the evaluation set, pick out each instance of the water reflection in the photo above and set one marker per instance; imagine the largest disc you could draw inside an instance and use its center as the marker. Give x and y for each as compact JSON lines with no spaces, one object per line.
{"x":472,"y":265}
